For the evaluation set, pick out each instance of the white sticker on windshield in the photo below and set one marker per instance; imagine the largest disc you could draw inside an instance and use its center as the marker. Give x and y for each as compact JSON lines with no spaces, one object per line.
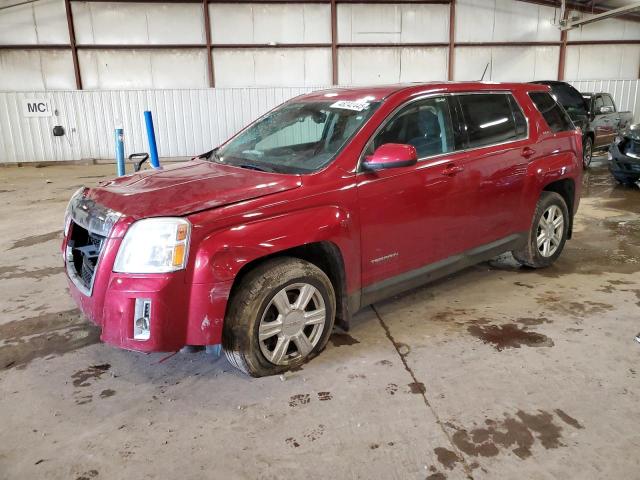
{"x":347,"y":105}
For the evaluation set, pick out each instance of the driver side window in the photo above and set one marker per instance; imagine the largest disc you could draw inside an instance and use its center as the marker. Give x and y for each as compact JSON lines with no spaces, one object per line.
{"x":425,"y":124}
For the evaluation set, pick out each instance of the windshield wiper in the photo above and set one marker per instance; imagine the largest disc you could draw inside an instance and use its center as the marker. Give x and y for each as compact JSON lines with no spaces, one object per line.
{"x":259,"y":168}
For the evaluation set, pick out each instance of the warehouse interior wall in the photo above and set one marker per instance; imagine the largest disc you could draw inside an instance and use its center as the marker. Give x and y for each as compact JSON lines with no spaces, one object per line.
{"x":153,"y":55}
{"x":375,"y":43}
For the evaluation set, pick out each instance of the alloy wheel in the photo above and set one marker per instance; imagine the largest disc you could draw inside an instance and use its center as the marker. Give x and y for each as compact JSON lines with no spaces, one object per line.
{"x":292,"y":324}
{"x":550,"y":231}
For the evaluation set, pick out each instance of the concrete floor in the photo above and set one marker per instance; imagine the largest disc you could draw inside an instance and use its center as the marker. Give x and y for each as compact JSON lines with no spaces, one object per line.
{"x":495,"y":372}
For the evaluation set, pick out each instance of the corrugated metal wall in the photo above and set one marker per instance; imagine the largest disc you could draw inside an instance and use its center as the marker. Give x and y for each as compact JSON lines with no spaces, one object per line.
{"x":187,"y":122}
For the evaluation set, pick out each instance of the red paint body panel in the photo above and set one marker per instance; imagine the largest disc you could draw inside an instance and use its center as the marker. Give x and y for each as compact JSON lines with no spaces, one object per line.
{"x":384,"y":223}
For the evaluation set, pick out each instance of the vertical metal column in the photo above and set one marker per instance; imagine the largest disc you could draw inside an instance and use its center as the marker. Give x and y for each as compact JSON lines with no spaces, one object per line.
{"x":72,"y":44}
{"x":334,"y":43}
{"x":207,"y":34}
{"x":452,"y":38}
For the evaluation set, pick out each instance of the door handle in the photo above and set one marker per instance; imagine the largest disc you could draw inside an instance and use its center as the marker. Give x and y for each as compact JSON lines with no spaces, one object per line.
{"x":452,"y":169}
{"x":528,"y":152}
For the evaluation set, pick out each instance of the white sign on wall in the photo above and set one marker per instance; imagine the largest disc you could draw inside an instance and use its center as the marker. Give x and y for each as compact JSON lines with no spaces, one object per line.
{"x":36,"y":107}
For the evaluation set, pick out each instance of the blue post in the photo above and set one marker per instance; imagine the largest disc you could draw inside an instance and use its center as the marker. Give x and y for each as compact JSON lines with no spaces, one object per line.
{"x":153,"y":149}
{"x":119,"y":136}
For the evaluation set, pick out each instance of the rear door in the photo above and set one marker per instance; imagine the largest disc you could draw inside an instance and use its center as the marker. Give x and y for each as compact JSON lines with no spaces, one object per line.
{"x":497,"y":156}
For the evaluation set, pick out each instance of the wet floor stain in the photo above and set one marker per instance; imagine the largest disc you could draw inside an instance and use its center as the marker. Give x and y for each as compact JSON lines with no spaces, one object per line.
{"x":517,"y":434}
{"x":531,"y":321}
{"x":385,"y":363}
{"x":107,"y":393}
{"x":509,"y":335}
{"x":446,"y":457}
{"x":391,"y":388}
{"x":12,"y":272}
{"x":36,"y":239}
{"x":557,"y":303}
{"x":88,"y":475}
{"x":315,"y":433}
{"x":417,"y":388}
{"x":437,"y":476}
{"x":292,"y":442}
{"x":568,"y":419}
{"x":42,"y":336}
{"x":299,"y":399}
{"x":342,"y":339}
{"x":83,"y":378}
{"x":324,"y":396}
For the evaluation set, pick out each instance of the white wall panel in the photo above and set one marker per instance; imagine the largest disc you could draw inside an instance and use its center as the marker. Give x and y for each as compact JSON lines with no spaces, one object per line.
{"x":504,"y":21}
{"x":405,"y":23}
{"x":602,"y":62}
{"x":137,"y":23}
{"x":609,"y":29}
{"x":271,"y":23}
{"x":106,"y":69}
{"x":368,"y":66}
{"x":470,"y":62}
{"x":391,"y":65}
{"x":272,"y":67}
{"x":423,"y":64}
{"x":44,"y":21}
{"x":507,"y":64}
{"x":187,"y":122}
{"x":36,"y":70}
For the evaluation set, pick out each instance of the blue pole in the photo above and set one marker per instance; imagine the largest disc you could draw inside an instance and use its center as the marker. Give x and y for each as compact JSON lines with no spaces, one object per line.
{"x":119,"y":136}
{"x":153,"y":149}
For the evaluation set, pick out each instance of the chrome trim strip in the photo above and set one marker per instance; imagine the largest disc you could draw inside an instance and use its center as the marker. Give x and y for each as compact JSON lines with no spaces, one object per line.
{"x":445,"y":94}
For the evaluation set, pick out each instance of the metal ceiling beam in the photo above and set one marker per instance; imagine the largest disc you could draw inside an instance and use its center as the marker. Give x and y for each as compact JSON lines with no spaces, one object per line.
{"x":616,"y":12}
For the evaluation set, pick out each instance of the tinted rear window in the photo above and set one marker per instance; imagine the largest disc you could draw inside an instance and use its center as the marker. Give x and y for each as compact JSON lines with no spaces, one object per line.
{"x":570,"y":99}
{"x":490,"y":118}
{"x":553,"y":114}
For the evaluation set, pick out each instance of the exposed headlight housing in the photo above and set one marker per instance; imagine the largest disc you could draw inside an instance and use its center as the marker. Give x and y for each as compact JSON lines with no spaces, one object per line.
{"x":154,"y":245}
{"x":67,"y":213}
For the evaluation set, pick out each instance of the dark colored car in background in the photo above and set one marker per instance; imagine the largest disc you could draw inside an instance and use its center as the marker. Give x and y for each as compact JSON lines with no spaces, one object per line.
{"x":624,"y":156}
{"x":595,"y":113}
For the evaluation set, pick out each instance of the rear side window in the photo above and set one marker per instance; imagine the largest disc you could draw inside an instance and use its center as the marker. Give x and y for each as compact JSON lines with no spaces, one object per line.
{"x":555,"y":116}
{"x":492,"y":118}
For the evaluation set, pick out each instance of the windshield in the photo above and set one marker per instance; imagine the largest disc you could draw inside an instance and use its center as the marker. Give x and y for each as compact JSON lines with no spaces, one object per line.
{"x":296,"y":137}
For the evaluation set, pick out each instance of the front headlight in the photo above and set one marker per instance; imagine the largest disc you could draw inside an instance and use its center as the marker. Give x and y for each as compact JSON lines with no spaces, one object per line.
{"x":154,"y":245}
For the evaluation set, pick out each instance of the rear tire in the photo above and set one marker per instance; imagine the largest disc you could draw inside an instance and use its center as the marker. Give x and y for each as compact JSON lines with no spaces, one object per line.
{"x":548,"y":234}
{"x":587,"y":152}
{"x":280,"y":316}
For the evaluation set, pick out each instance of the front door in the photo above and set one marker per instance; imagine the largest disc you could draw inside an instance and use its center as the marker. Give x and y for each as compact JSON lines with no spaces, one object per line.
{"x":411,"y":216}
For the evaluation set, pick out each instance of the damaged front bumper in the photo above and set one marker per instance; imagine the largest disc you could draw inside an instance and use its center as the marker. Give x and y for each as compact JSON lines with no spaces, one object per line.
{"x":143,"y":312}
{"x":624,"y":159}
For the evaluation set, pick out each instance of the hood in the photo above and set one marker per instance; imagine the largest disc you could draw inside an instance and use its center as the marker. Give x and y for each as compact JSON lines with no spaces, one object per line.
{"x":184,"y":188}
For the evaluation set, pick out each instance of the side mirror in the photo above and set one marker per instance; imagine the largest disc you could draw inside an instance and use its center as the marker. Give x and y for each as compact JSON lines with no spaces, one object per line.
{"x":391,"y":155}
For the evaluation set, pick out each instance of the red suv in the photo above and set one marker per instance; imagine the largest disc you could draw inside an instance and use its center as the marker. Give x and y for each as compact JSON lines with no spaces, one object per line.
{"x":328,"y":203}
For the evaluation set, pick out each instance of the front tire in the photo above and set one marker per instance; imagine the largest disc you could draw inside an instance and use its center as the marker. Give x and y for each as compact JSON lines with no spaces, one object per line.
{"x":548,"y":233}
{"x":280,"y":316}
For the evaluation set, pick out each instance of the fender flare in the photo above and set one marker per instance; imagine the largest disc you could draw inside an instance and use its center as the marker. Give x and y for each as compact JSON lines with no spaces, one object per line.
{"x":223,"y":253}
